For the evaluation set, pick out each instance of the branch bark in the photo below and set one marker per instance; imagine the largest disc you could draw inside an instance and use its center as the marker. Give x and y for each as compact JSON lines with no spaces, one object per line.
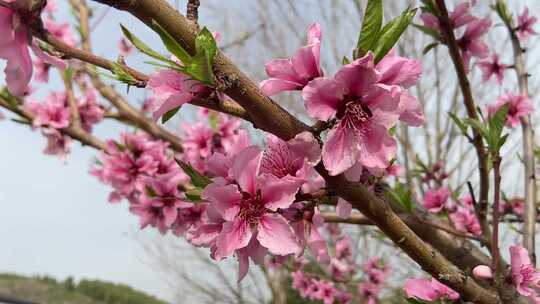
{"x":529,"y":229}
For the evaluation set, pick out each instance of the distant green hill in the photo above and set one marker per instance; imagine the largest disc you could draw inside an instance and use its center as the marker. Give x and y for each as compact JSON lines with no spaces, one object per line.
{"x":47,"y":290}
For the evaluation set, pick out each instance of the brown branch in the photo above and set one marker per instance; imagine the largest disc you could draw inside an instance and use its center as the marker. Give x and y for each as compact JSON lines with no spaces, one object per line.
{"x":483,"y":170}
{"x":530,"y":215}
{"x":72,"y":131}
{"x":192,"y":11}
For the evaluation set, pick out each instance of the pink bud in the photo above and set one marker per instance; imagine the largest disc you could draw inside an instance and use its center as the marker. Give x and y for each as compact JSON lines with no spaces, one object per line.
{"x":482,"y":272}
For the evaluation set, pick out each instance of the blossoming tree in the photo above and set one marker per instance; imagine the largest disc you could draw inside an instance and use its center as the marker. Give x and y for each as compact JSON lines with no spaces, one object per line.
{"x":283,"y":204}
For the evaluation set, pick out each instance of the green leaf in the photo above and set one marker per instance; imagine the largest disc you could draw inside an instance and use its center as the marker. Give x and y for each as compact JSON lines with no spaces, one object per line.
{"x":497,"y":121}
{"x":197,"y":179}
{"x":502,"y":10}
{"x":429,"y":7}
{"x":201,"y":66}
{"x":205,"y":42}
{"x":429,"y":47}
{"x":194,"y":195}
{"x":68,"y":74}
{"x":496,"y":125}
{"x":428,"y":31}
{"x":371,"y":25}
{"x":345,"y":60}
{"x":170,"y":43}
{"x":460,"y":124}
{"x":391,"y":32}
{"x":122,"y":74}
{"x":478,"y":126}
{"x":169,"y":114}
{"x":403,"y":196}
{"x":141,"y":46}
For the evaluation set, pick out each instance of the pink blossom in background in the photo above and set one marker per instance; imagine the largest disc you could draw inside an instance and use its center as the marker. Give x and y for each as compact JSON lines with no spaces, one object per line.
{"x":53,"y":112}
{"x":248,"y":209}
{"x":171,"y":89}
{"x":129,"y":162}
{"x":364,"y":109}
{"x":492,"y":67}
{"x":520,"y":106}
{"x":61,"y":31}
{"x":90,"y":111}
{"x":459,"y":17}
{"x":57,"y":143}
{"x":125,"y":47}
{"x":524,"y":275}
{"x":525,"y":26}
{"x":160,"y":203}
{"x":464,"y":219}
{"x":435,"y":200}
{"x":471,"y":44}
{"x":41,"y":70}
{"x":326,"y":291}
{"x":428,"y":290}
{"x":295,"y":73}
{"x":369,"y":292}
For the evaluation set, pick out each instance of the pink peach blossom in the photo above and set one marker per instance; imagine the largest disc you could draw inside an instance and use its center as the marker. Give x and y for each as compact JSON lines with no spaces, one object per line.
{"x":125,"y":47}
{"x":492,"y":67}
{"x":365,"y":110}
{"x":435,"y":200}
{"x":525,"y":27}
{"x":61,"y":31}
{"x":470,"y":42}
{"x":248,"y":208}
{"x":90,"y":111}
{"x":524,"y":275}
{"x":295,"y":73}
{"x":171,"y":89}
{"x":14,"y":44}
{"x":427,"y":290}
{"x":520,"y":106}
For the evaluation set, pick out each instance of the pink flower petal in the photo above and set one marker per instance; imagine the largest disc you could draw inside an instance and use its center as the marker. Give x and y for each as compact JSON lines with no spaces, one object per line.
{"x":275,"y":234}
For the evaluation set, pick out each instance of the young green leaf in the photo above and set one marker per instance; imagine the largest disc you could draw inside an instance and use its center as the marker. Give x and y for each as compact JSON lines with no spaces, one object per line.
{"x":197,"y":179}
{"x":391,"y":32}
{"x":122,"y":74}
{"x":201,"y":66}
{"x":141,"y":46}
{"x":478,"y":126}
{"x":496,"y":125}
{"x":428,"y":31}
{"x":371,"y":25}
{"x":168,"y":115}
{"x":205,"y":42}
{"x":170,"y":43}
{"x":429,"y":47}
{"x":460,"y":124}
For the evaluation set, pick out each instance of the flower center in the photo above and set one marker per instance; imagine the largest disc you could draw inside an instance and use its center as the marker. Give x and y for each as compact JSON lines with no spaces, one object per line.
{"x":279,"y":161}
{"x":354,"y":114}
{"x":251,"y":208}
